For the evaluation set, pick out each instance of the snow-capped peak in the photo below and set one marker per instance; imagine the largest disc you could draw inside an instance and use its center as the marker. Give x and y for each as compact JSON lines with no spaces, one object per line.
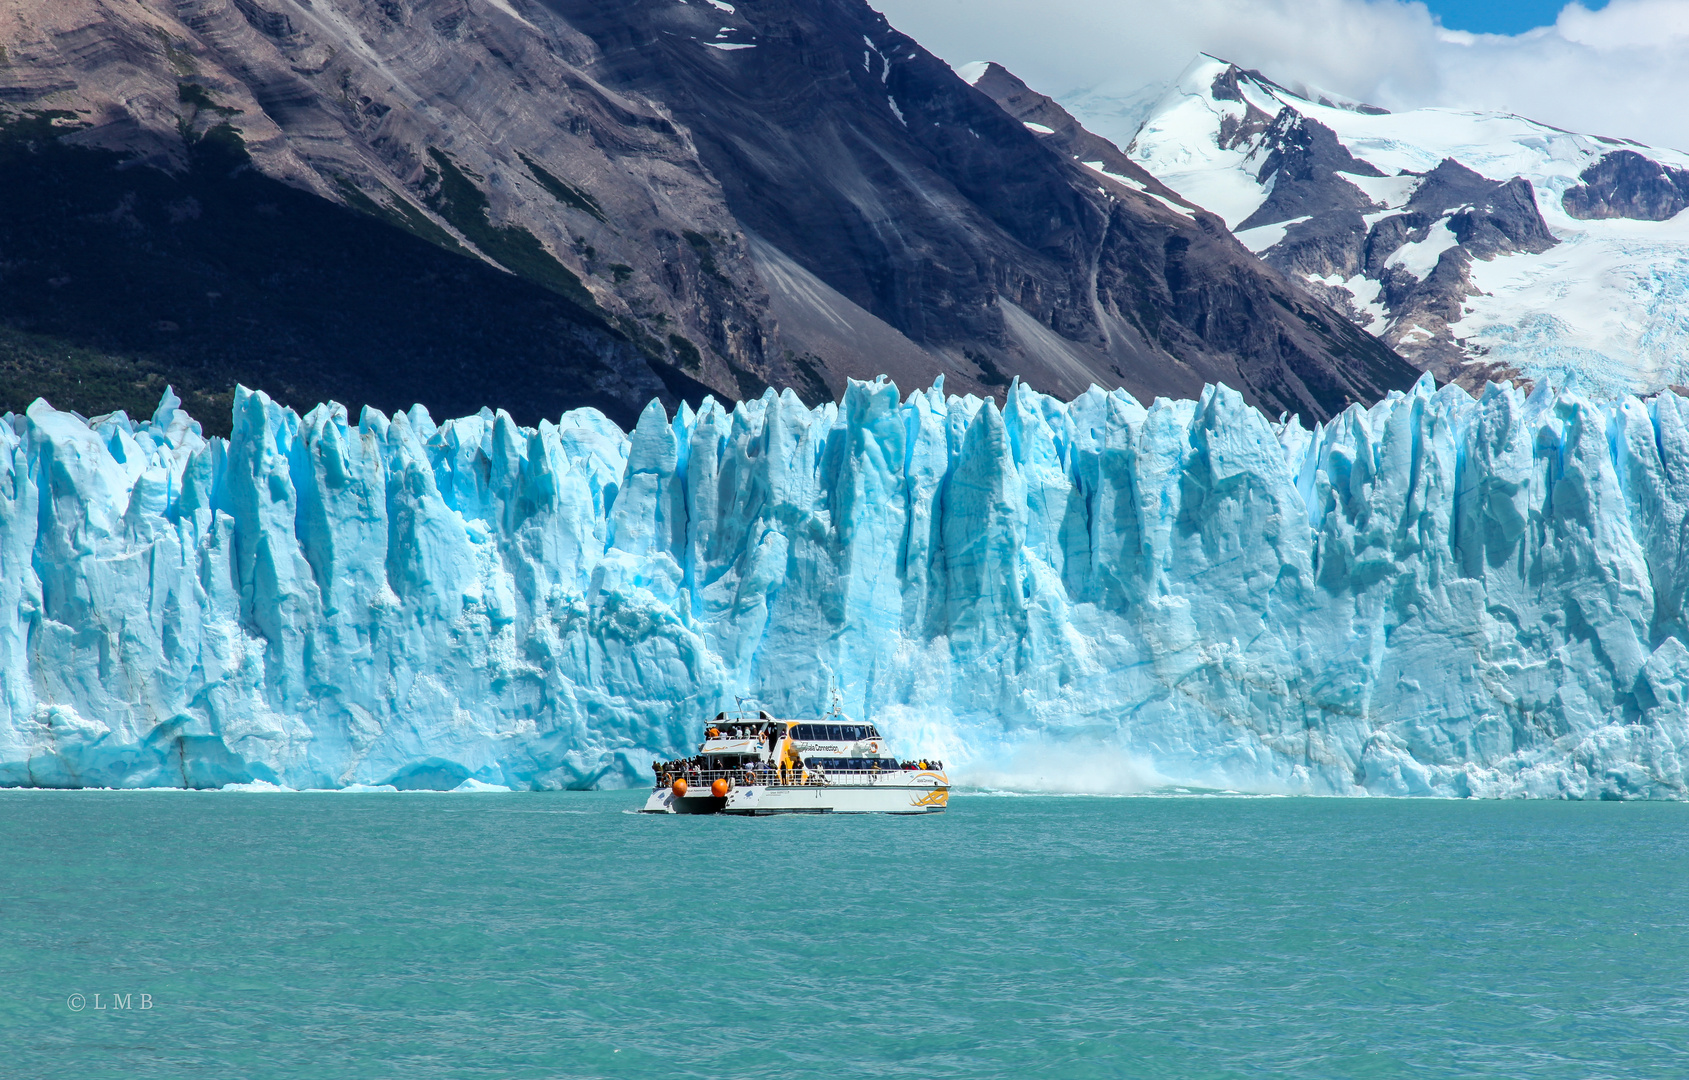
{"x":1568,"y":256}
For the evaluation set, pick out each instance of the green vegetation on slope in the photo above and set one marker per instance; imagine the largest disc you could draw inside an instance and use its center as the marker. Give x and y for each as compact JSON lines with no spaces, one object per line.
{"x":563,"y":191}
{"x":400,"y":214}
{"x":117,"y":278}
{"x":706,"y":256}
{"x":92,"y":382}
{"x":456,"y":198}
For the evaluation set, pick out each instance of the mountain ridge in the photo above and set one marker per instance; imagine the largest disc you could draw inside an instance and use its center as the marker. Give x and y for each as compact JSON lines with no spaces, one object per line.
{"x":1560,"y":257}
{"x":730,"y":197}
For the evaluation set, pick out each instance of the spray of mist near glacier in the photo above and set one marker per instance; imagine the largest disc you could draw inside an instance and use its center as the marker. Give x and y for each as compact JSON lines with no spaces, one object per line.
{"x":1437,"y":595}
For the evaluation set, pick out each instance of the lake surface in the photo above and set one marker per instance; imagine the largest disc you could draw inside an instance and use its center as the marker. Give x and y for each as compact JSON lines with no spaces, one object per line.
{"x":561,"y":935}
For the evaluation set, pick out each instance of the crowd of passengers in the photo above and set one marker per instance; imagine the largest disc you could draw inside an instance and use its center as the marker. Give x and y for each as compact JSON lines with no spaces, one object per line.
{"x":719,"y":730}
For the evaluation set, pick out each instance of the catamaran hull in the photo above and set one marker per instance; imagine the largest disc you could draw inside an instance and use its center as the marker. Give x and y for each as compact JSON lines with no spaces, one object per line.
{"x":758,"y":799}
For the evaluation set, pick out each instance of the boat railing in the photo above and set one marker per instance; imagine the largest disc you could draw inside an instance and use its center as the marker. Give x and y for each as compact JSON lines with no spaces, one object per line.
{"x":699,"y":781}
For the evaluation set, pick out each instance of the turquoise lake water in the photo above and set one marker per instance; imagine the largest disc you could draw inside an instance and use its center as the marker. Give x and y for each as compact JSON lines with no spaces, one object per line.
{"x":559,"y":935}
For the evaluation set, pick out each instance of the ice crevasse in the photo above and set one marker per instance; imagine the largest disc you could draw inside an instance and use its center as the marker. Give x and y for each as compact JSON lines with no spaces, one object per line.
{"x":1438,"y":595}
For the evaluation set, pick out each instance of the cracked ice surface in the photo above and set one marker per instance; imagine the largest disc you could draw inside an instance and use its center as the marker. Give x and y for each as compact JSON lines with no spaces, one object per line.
{"x":1434,"y":596}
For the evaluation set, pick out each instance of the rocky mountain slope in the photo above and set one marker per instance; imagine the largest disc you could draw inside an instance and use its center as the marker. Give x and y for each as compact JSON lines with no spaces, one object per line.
{"x":542,"y":203}
{"x":1476,"y":244}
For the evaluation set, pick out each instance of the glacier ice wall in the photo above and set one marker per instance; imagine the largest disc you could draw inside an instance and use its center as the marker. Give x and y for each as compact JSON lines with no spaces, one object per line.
{"x":1437,"y":595}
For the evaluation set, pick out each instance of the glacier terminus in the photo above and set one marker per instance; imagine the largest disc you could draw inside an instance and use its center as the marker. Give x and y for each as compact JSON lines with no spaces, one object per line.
{"x":1439,"y":595}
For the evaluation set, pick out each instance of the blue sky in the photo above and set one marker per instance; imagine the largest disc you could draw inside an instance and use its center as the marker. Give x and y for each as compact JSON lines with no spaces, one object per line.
{"x":1501,"y":16}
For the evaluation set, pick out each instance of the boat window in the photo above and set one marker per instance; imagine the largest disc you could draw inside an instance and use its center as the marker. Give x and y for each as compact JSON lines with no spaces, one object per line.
{"x":851,"y":764}
{"x":805,"y":732}
{"x":873,"y":732}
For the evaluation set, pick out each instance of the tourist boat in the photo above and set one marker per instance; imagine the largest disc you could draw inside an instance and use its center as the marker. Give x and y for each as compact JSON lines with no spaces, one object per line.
{"x":766,"y":766}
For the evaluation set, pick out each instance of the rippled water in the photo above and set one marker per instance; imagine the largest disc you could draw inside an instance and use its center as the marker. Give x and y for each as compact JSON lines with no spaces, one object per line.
{"x":558,"y":935}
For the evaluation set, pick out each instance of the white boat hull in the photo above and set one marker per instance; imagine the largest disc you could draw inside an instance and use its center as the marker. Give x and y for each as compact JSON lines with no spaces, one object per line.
{"x":896,"y":793}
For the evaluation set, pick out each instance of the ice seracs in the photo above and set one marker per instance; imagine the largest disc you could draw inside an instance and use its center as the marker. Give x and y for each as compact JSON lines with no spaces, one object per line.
{"x":1440,"y":595}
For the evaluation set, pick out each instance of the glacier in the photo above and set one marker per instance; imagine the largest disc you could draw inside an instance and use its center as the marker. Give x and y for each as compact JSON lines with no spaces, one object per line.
{"x":1437,"y":595}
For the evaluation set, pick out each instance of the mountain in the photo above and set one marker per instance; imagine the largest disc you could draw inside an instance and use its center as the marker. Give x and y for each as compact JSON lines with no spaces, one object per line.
{"x":1435,"y":596}
{"x":1476,"y":244}
{"x":538,"y":204}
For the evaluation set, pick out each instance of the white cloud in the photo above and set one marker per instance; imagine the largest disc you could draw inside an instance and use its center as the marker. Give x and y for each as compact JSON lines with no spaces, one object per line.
{"x":1617,"y":71}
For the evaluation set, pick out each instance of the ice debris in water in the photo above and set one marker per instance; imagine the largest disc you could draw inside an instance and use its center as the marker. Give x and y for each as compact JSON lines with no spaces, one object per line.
{"x":1436,"y":595}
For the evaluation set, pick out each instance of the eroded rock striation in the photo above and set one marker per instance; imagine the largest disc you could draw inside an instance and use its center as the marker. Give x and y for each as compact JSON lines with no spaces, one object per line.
{"x":1439,"y":595}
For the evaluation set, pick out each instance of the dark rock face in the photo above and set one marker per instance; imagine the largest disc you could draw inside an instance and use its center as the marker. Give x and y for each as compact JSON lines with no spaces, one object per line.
{"x":1504,"y":220}
{"x":1624,"y":184}
{"x":698,"y":199}
{"x":208,"y":279}
{"x":1449,"y":185}
{"x":1303,"y":162}
{"x":467,"y":127}
{"x":1331,"y":242}
{"x":1210,"y":296}
{"x":1067,"y":136}
{"x":1236,"y":131}
{"x":1202,"y":310}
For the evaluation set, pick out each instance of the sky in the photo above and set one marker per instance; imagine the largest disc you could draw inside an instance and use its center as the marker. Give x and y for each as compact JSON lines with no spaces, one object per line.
{"x":1500,"y":16}
{"x":1616,"y":68}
